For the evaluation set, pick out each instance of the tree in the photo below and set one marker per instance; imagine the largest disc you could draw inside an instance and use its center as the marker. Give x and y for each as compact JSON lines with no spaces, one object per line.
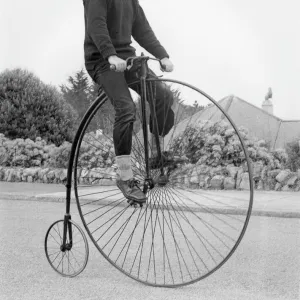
{"x":30,"y":109}
{"x":78,"y":92}
{"x":183,"y":110}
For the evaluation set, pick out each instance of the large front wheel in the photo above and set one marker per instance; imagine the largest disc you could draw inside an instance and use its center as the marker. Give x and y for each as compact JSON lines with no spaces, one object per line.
{"x":195,"y":218}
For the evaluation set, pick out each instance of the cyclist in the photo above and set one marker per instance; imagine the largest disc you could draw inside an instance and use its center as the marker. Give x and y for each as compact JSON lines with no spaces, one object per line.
{"x":109,"y":26}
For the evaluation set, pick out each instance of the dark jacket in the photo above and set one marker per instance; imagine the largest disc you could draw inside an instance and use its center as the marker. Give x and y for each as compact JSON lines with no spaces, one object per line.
{"x":109,"y":25}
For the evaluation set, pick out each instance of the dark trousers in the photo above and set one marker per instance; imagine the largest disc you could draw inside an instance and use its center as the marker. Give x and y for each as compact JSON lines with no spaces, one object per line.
{"x":115,"y":85}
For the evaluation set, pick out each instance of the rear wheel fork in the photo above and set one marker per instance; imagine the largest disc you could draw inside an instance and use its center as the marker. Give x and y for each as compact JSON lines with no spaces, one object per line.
{"x":67,"y":230}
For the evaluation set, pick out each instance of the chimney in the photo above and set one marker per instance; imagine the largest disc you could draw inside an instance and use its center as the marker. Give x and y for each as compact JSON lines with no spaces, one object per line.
{"x":267,"y":104}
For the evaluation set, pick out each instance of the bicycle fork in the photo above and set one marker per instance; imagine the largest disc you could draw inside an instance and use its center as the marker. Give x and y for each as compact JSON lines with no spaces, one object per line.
{"x":67,"y":230}
{"x":149,"y":184}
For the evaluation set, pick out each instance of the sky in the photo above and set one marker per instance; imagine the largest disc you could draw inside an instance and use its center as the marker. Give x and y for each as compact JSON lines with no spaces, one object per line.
{"x":223,"y":47}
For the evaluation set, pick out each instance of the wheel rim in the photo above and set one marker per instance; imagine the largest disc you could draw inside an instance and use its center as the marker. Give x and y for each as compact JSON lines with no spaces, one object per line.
{"x":186,"y":231}
{"x":71,"y":262}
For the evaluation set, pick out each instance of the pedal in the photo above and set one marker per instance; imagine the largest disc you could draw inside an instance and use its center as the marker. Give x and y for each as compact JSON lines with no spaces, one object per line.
{"x":134,"y":204}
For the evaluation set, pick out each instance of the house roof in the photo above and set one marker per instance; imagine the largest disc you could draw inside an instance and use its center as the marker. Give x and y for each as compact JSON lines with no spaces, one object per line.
{"x":261,"y":124}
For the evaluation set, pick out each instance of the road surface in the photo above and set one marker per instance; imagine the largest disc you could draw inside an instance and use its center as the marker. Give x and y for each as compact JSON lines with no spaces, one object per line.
{"x":266,"y":265}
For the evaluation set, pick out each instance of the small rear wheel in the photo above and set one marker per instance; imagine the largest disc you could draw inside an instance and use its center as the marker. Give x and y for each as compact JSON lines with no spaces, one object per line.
{"x":68,"y":261}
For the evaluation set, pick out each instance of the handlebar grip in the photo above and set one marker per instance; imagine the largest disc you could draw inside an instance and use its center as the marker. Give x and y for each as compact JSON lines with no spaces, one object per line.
{"x":163,"y":67}
{"x":113,"y":67}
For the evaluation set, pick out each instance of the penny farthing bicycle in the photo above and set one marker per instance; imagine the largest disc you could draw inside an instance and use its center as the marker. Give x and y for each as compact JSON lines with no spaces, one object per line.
{"x":197,"y":208}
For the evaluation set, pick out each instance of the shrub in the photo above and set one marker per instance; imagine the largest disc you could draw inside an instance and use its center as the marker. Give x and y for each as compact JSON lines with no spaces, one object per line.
{"x":95,"y":153}
{"x":23,"y":153}
{"x":59,"y":156}
{"x":293,"y":153}
{"x":216,"y":144}
{"x":31,"y":109}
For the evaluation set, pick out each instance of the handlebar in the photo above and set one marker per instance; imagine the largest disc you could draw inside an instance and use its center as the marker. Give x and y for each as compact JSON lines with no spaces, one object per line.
{"x":130,"y":60}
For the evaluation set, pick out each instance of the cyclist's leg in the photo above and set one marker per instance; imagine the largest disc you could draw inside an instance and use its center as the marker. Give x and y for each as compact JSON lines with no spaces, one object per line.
{"x":163,"y":106}
{"x":164,"y":100}
{"x":116,"y":88}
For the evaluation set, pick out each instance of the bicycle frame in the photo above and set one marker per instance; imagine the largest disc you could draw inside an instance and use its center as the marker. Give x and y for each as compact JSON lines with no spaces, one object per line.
{"x":68,"y":185}
{"x":148,"y":181}
{"x":144,"y":90}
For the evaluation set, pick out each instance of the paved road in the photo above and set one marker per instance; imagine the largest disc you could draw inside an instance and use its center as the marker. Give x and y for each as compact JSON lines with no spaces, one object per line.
{"x":265,"y":266}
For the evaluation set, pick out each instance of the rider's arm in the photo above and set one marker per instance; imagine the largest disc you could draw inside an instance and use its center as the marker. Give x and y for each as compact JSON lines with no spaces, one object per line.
{"x":96,"y":13}
{"x":144,"y":35}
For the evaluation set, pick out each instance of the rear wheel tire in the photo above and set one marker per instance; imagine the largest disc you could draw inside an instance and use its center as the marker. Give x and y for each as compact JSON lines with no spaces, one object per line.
{"x":70,"y":262}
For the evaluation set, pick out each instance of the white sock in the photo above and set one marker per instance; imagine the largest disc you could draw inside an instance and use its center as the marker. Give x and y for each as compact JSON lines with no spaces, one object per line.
{"x":124,"y":167}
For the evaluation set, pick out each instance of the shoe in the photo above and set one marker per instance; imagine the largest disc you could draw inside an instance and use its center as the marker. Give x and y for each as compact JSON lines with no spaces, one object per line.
{"x":131,"y":190}
{"x":167,"y":159}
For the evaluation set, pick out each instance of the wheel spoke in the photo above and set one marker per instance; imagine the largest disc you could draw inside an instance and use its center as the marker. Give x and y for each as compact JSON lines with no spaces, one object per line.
{"x":182,"y":233}
{"x":120,"y":214}
{"x":59,"y":259}
{"x":55,"y":239}
{"x":120,"y":201}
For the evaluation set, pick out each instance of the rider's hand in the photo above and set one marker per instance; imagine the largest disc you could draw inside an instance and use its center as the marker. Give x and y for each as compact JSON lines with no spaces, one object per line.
{"x":168,"y":65}
{"x":118,"y":62}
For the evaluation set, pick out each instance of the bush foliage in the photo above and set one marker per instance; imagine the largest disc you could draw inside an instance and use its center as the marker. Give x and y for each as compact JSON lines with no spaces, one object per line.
{"x":206,"y":143}
{"x":217,"y":144}
{"x":30,"y":109}
{"x":293,"y":152}
{"x":28,"y":153}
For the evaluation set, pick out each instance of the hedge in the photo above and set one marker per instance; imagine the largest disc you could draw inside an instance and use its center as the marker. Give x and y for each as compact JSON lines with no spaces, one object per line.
{"x":29,"y":108}
{"x":27,"y":153}
{"x":217,"y":144}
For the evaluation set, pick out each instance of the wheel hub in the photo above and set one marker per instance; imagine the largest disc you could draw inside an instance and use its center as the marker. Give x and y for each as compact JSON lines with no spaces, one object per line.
{"x":162,"y":180}
{"x":150,"y":183}
{"x":65,"y":248}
